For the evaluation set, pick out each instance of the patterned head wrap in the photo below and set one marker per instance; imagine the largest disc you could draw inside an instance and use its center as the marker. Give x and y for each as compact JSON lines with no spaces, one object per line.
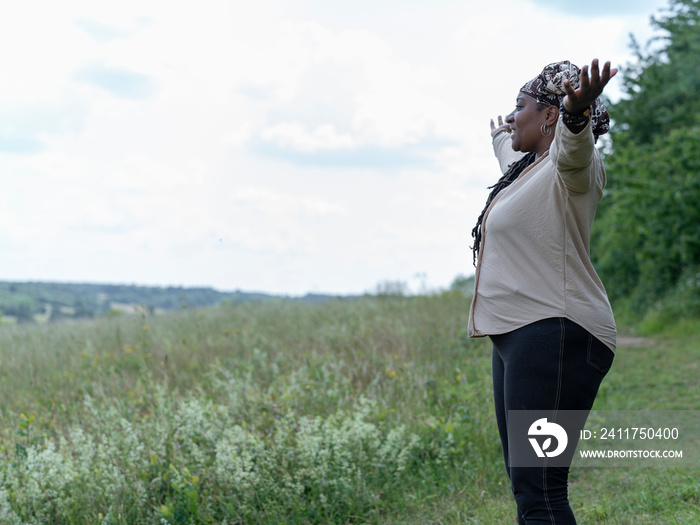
{"x":548,"y":88}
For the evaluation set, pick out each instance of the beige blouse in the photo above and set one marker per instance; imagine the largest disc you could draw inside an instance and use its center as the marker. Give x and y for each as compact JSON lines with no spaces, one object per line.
{"x":534,"y":260}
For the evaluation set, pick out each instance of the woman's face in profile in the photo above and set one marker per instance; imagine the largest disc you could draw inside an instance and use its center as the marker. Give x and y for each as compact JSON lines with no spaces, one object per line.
{"x":525,"y":121}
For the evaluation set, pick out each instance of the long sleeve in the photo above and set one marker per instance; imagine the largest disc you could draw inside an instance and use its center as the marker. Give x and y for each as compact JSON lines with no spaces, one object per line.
{"x":576,"y":159}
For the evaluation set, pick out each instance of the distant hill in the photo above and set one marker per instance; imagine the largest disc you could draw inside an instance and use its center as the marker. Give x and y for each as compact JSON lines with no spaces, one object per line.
{"x":43,"y":301}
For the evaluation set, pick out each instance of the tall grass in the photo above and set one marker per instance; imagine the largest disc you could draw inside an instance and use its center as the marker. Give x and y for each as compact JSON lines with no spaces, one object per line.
{"x":375,"y":410}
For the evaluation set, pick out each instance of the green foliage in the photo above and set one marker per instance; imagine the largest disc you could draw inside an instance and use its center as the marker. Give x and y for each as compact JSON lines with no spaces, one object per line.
{"x":275,"y":412}
{"x":372,"y":410}
{"x":647,"y":234}
{"x":648,"y":231}
{"x":19,"y":305}
{"x":463,"y":284}
{"x":680,"y":307}
{"x":391,"y":289}
{"x":661,"y":88}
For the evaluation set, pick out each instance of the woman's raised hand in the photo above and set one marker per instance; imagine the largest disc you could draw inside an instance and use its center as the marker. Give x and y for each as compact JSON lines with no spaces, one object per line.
{"x":501,"y":127}
{"x":578,"y":100}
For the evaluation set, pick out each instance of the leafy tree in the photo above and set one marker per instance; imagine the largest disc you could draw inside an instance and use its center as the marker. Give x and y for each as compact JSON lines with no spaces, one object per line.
{"x":647,"y":236}
{"x":463,"y":284}
{"x":662,"y":87}
{"x":24,"y":311}
{"x":83,"y":308}
{"x":392,"y":289}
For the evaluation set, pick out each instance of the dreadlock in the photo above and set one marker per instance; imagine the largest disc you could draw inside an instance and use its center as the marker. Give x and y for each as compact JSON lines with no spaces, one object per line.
{"x":514,"y":170}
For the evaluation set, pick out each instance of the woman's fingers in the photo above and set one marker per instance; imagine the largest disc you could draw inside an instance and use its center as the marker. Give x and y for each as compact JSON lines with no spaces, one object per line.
{"x":500,"y":123}
{"x":501,"y":126}
{"x":568,"y":89}
{"x":595,"y":70}
{"x":592,"y":82}
{"x":585,"y":84}
{"x":598,"y":80}
{"x":608,"y":73}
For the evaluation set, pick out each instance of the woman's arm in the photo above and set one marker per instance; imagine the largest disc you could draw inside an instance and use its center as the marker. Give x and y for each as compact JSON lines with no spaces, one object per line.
{"x":573,"y":148}
{"x":575,"y":158}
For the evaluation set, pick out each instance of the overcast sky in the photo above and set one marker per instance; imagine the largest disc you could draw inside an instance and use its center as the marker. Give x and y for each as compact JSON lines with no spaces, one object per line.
{"x":279,"y":146}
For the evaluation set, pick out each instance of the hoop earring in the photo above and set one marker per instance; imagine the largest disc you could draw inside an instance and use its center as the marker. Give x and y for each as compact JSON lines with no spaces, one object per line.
{"x":545,"y":130}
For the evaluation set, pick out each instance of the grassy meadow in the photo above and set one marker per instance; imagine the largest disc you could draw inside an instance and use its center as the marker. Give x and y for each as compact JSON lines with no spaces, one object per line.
{"x":376,"y":410}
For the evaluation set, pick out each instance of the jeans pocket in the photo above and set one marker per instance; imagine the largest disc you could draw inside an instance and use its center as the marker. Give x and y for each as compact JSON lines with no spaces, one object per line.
{"x":599,"y":356}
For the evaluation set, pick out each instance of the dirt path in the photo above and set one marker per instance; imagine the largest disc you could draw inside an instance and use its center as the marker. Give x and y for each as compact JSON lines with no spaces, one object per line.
{"x":631,"y":340}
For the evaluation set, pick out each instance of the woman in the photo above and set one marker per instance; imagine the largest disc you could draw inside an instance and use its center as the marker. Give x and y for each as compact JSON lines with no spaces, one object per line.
{"x":537,"y":295}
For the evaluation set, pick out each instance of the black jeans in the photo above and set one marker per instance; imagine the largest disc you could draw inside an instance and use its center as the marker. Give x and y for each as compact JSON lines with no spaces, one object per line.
{"x":552,"y":364}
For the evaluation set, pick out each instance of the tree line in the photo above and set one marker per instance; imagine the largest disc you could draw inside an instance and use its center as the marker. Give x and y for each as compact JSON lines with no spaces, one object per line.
{"x":26,"y":301}
{"x":646,"y":239}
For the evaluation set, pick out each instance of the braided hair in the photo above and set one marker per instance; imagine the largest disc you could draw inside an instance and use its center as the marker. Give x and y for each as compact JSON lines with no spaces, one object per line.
{"x":512,"y":173}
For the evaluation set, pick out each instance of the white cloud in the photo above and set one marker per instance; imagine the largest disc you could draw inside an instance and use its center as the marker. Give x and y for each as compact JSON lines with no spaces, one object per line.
{"x":284,"y":205}
{"x":285,"y":146}
{"x":295,"y":135}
